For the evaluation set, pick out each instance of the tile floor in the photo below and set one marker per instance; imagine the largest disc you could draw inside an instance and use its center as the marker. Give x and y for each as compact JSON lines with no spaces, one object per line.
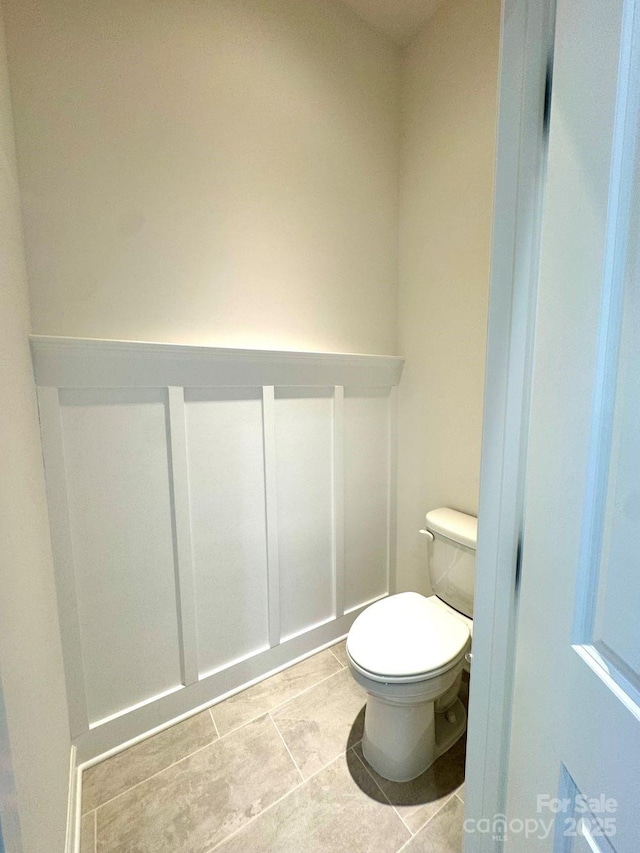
{"x":277,"y":768}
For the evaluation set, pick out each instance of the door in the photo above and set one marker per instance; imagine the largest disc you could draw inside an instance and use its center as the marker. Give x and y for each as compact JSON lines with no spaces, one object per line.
{"x":574,"y":766}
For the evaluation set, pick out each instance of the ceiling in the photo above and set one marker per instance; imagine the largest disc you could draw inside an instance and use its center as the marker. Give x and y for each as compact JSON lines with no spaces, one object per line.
{"x":397,"y":19}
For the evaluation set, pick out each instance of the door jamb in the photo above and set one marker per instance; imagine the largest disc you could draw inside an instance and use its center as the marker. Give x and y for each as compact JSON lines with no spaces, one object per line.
{"x":526,"y":50}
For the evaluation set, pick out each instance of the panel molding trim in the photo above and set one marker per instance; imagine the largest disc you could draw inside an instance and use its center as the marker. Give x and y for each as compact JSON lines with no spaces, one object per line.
{"x":214,"y":513}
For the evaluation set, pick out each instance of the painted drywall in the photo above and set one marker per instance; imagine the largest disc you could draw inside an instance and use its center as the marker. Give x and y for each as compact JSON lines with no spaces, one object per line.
{"x":400,"y":20}
{"x":216,"y":173}
{"x":448,"y":129}
{"x":30,"y":655}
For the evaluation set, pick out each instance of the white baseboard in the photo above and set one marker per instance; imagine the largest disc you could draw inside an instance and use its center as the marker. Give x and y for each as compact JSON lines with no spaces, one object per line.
{"x":72,"y":841}
{"x":123,"y":731}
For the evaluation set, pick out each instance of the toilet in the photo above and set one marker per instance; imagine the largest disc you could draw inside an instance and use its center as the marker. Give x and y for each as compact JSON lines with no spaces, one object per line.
{"x":408,"y":651}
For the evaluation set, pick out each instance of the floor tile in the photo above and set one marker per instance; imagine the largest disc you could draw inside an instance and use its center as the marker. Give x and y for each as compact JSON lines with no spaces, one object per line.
{"x":340,"y":651}
{"x":420,"y":799}
{"x":88,"y":833}
{"x":106,"y":780}
{"x":199,"y":801}
{"x":443,"y":833}
{"x":336,"y":810}
{"x":272,"y":692}
{"x":320,"y":724}
{"x":460,"y":792}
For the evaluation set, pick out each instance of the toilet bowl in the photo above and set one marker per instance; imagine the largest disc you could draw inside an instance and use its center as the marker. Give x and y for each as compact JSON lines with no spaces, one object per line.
{"x":408,"y":651}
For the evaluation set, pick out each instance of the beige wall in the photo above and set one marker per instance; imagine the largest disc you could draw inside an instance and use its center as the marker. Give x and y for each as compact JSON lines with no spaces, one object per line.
{"x":30,"y":657}
{"x":449,"y":115}
{"x":218,"y":173}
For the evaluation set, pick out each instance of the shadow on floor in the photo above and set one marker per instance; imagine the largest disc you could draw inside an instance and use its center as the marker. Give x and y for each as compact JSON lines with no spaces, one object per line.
{"x":444,"y":776}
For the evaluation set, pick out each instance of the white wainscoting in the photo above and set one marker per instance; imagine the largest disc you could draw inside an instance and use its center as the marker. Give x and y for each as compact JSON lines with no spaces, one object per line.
{"x":215,"y":514}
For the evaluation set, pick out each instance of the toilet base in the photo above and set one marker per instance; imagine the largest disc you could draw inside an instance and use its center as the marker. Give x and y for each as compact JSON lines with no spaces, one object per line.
{"x":401,"y":741}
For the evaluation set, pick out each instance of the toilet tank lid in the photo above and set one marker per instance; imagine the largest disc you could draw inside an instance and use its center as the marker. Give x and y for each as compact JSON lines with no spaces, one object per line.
{"x":454,"y":525}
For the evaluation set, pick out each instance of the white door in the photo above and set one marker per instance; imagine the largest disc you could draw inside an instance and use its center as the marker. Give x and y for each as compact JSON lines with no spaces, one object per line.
{"x":574,"y":771}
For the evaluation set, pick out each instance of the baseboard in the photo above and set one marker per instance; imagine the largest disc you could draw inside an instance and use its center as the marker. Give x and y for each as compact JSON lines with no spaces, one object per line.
{"x":72,"y":840}
{"x":117,"y":734}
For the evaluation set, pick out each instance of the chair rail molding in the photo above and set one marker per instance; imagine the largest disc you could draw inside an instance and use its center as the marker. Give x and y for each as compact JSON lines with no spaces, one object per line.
{"x":93,"y":363}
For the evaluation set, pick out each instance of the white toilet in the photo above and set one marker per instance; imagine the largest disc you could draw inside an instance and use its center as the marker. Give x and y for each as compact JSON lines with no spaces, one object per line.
{"x":408,"y":652}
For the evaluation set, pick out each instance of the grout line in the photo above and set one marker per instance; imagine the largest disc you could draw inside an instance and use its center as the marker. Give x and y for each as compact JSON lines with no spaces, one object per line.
{"x":404,"y":846}
{"x":282,"y":704}
{"x":269,"y":710}
{"x":306,"y":690}
{"x":295,"y":763}
{"x":274,"y":804}
{"x":213,"y":720}
{"x":206,"y":746}
{"x":95,"y":831}
{"x":404,"y":823}
{"x":383,"y":792}
{"x":336,"y":657}
{"x":373,"y":779}
{"x":433,"y":816}
{"x":153,"y":775}
{"x":222,"y":737}
{"x":217,"y":731}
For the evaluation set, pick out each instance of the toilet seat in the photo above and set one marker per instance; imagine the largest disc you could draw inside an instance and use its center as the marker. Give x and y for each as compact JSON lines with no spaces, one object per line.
{"x":406,"y":638}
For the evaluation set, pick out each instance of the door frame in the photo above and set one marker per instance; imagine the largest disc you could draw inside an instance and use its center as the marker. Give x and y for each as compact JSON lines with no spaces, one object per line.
{"x":526,"y":51}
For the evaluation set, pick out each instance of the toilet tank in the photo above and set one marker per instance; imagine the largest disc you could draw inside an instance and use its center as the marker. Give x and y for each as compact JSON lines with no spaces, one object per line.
{"x":452,"y":557}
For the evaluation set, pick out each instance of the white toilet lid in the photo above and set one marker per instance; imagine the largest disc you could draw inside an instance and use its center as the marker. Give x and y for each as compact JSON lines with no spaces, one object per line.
{"x":406,"y":635}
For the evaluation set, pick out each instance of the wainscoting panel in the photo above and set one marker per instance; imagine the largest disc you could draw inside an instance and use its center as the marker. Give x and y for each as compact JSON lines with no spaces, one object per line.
{"x":115,"y":450}
{"x":366,"y":493}
{"x":225,"y":455}
{"x":304,"y":465}
{"x":214,"y":514}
